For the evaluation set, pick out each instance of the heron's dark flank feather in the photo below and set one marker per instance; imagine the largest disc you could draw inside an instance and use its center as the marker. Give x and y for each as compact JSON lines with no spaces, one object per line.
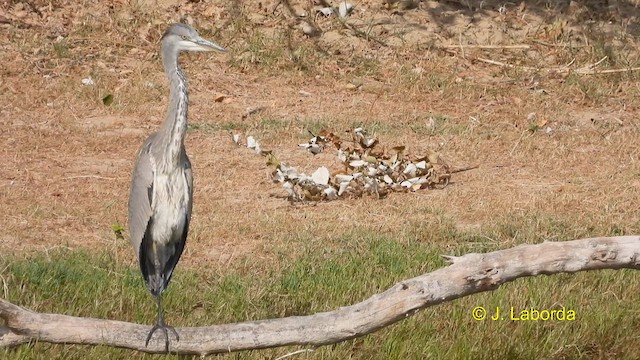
{"x":150,"y":194}
{"x":157,"y":278}
{"x":150,"y":273}
{"x":178,"y":247}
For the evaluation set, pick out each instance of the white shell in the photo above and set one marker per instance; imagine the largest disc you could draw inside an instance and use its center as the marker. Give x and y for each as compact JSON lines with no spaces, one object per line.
{"x":342,"y":156}
{"x":330,"y":193}
{"x":251,"y":142}
{"x":343,"y":187}
{"x":340,"y":178}
{"x":288,"y":187}
{"x":321,"y":176}
{"x":326,"y":11}
{"x":410,"y":169}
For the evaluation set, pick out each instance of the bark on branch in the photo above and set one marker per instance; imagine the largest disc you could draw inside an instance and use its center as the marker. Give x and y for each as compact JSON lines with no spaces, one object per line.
{"x":468,"y":274}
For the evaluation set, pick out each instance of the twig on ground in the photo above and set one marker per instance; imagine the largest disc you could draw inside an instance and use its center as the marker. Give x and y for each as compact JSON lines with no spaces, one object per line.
{"x":294,"y":353}
{"x":361,"y":33}
{"x":472,"y":46}
{"x":564,"y":45}
{"x":493,"y":62}
{"x":585,"y":70}
{"x":607,"y":71}
{"x":88,"y":177}
{"x":465,"y":168}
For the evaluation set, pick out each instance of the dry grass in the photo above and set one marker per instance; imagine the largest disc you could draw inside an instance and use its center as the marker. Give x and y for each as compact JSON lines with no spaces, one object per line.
{"x":66,"y":158}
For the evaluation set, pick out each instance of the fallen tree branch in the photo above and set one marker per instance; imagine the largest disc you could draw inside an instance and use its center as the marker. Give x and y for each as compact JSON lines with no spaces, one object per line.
{"x":468,"y":274}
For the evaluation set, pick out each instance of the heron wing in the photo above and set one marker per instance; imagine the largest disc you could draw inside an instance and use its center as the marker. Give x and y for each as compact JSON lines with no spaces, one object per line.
{"x":189,"y":176}
{"x":140,"y":195}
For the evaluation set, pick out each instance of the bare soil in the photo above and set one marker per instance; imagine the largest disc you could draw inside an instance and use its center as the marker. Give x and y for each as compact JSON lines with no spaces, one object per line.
{"x":548,"y":141}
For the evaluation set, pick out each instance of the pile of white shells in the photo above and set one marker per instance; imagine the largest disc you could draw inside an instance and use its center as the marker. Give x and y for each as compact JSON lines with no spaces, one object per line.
{"x":365,"y":170}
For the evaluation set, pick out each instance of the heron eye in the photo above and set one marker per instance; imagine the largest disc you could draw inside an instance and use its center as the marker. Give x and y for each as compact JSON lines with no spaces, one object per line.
{"x":184,"y":37}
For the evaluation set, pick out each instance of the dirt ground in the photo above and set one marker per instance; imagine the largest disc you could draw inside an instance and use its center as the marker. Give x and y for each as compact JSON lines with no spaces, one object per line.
{"x":550,"y":136}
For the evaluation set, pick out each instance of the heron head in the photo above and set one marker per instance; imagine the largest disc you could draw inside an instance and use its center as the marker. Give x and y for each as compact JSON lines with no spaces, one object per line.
{"x":182,"y":37}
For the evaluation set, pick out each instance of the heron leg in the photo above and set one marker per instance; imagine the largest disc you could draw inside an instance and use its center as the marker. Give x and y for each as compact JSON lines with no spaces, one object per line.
{"x":160,"y":325}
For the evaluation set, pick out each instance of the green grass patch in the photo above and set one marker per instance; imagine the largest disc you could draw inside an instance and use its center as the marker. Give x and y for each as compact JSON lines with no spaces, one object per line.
{"x":323,"y":275}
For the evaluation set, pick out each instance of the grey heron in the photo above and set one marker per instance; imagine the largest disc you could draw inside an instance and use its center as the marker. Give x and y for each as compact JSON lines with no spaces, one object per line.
{"x":161,"y":196}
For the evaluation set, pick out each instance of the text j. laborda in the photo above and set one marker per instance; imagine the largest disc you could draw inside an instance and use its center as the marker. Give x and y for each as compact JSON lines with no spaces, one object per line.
{"x":529,"y":314}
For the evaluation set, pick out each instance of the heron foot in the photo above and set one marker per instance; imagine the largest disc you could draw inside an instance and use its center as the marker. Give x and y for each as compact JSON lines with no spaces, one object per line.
{"x":160,"y":325}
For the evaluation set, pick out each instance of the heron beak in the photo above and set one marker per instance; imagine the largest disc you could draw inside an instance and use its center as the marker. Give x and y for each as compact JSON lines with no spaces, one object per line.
{"x":207,"y":45}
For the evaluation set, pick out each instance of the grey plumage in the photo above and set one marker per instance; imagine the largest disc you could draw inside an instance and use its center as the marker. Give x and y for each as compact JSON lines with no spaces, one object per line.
{"x":161,"y":196}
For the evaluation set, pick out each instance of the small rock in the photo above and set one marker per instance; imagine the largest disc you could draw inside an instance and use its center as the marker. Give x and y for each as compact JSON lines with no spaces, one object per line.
{"x":309,"y":29}
{"x":355,"y":84}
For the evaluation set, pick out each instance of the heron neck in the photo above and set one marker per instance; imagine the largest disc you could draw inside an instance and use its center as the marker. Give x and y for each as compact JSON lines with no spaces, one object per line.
{"x":175,"y":124}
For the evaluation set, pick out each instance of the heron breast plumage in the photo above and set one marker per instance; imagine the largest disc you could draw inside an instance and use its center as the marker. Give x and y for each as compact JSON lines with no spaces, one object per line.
{"x":169,"y":205}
